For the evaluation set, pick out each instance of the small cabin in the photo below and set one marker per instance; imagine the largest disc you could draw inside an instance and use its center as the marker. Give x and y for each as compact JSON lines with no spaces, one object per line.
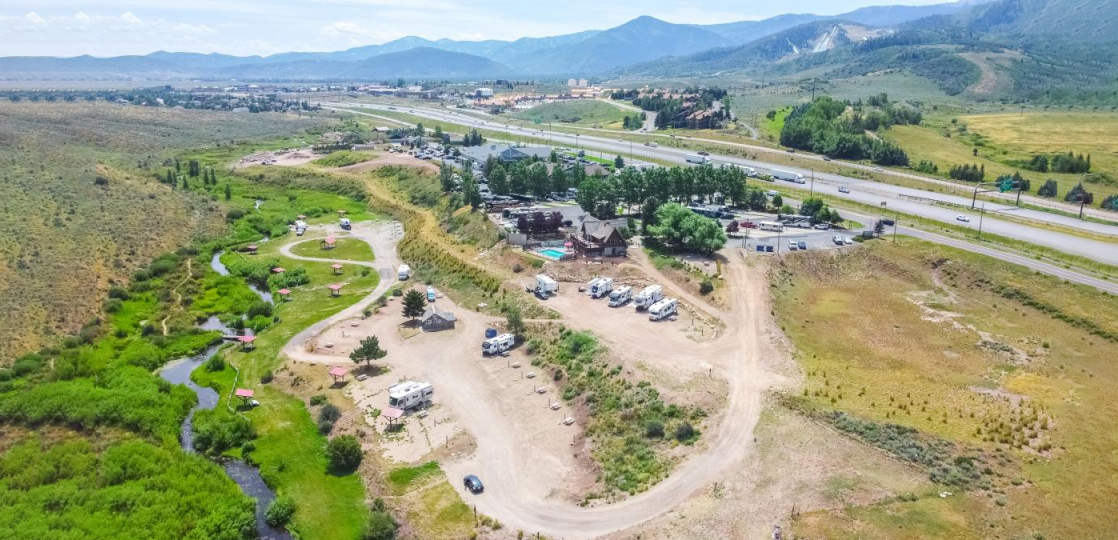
{"x":435,"y":319}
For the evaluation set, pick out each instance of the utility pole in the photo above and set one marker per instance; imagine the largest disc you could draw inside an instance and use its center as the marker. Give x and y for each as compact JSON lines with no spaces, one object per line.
{"x":813,"y":89}
{"x":812,"y":192}
{"x":982,"y":214}
{"x":896,"y":223}
{"x":1082,"y":201}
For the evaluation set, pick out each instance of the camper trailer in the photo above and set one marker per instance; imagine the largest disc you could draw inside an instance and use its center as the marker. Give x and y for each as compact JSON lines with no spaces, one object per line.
{"x":345,"y":224}
{"x":409,"y":394}
{"x":404,"y":273}
{"x":620,"y":295}
{"x":300,"y":227}
{"x":600,"y":287}
{"x":544,"y":286}
{"x":663,"y":309}
{"x":650,"y":295}
{"x":498,"y":345}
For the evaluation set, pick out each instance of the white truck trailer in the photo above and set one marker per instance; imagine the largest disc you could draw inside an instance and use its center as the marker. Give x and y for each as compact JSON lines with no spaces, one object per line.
{"x":545,"y":286}
{"x":788,"y":176}
{"x":409,"y":394}
{"x":662,"y":309}
{"x":600,"y":287}
{"x":697,"y":159}
{"x":620,"y":295}
{"x":650,"y":295}
{"x":498,"y":345}
{"x":404,"y":273}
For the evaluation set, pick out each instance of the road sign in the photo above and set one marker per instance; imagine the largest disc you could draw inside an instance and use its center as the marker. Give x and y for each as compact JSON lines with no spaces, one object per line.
{"x":1006,"y":184}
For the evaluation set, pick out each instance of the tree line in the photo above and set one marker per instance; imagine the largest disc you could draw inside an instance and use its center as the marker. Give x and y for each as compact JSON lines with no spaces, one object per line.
{"x":825,"y":127}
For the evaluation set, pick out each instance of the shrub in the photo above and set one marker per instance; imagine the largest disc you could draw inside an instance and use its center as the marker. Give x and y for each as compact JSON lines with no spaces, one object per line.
{"x":318,"y":399}
{"x":267,"y":377}
{"x":706,"y":287}
{"x":344,"y":453}
{"x":381,"y":526}
{"x":279,"y":511}
{"x":327,"y":417}
{"x":685,"y":432}
{"x":654,"y":429}
{"x":215,"y":434}
{"x":215,"y":363}
{"x":234,"y":214}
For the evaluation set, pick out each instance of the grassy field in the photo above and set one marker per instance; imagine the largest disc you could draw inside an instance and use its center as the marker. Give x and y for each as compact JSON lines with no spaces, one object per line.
{"x":343,"y":158}
{"x":1004,"y":140}
{"x":1009,"y":367}
{"x":80,"y":206}
{"x":578,"y":112}
{"x":349,"y":249}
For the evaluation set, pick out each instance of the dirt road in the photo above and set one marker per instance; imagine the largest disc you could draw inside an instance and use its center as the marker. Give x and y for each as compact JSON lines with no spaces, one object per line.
{"x":523,"y":460}
{"x":382,"y":237}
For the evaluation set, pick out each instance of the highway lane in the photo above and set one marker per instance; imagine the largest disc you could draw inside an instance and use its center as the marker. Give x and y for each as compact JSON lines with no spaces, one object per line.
{"x":906,"y":200}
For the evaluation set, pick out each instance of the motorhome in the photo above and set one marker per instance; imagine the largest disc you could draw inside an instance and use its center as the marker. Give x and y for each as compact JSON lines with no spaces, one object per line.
{"x":545,"y":286}
{"x":663,"y":309}
{"x":620,"y":295}
{"x":409,"y":394}
{"x":498,"y":345}
{"x":650,"y":295}
{"x":601,"y":287}
{"x":404,"y":273}
{"x":300,"y":227}
{"x":345,"y":224}
{"x":697,"y":159}
{"x":788,"y":176}
{"x":771,"y":226}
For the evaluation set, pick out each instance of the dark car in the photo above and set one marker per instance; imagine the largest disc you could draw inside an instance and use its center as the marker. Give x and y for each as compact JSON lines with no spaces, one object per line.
{"x":887,"y":222}
{"x":704,"y":153}
{"x":473,"y":483}
{"x":802,"y":244}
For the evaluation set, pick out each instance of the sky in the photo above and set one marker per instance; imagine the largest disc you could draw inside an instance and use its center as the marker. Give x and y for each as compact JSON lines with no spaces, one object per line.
{"x":248,"y":27}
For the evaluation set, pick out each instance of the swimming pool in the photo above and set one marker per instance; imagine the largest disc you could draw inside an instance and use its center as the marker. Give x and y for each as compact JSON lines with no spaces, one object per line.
{"x":552,"y":253}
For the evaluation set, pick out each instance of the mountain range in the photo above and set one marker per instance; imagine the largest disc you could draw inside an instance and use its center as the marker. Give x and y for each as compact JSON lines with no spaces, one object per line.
{"x":646,"y":46}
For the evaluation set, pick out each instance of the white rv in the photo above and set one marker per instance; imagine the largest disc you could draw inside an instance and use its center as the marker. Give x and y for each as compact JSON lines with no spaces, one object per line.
{"x":345,"y":224}
{"x":300,"y":227}
{"x":620,"y":295}
{"x":771,"y":226}
{"x":600,"y":287}
{"x":545,"y":286}
{"x":498,"y":345}
{"x":650,"y":295}
{"x":409,"y":394}
{"x":662,"y":309}
{"x":404,"y":273}
{"x":788,"y":176}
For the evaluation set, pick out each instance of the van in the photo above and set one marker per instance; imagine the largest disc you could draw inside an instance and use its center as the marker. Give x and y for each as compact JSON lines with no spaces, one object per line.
{"x":404,"y":272}
{"x":663,"y":309}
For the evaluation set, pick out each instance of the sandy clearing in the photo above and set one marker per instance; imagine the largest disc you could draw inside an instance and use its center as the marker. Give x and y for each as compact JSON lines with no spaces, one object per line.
{"x":388,"y":160}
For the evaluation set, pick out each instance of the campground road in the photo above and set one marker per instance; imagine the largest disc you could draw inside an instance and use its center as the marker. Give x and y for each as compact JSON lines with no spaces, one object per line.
{"x":926,"y":204}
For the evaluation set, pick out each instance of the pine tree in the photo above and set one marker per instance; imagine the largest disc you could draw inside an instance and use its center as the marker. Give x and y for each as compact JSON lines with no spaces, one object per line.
{"x":414,"y":304}
{"x":228,"y":192}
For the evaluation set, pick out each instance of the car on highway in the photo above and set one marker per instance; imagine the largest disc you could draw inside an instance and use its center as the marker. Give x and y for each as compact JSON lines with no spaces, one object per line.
{"x":825,"y":158}
{"x":704,"y":153}
{"x":888,"y":222}
{"x":473,"y":483}
{"x":961,"y":217}
{"x":878,"y":169}
{"x":802,"y":245}
{"x":844,"y":189}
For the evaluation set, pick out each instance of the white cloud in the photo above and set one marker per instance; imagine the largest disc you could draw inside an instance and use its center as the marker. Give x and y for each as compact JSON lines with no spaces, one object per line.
{"x":129,"y":18}
{"x":33,"y":21}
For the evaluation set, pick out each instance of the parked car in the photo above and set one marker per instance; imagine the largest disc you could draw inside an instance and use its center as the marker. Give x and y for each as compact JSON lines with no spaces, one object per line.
{"x":473,"y":483}
{"x":748,"y":225}
{"x":961,"y":217}
{"x":802,"y":245}
{"x":792,"y":245}
{"x":844,"y":189}
{"x":822,"y":226}
{"x":825,"y":158}
{"x":878,"y":169}
{"x":838,"y":240}
{"x":849,"y":240}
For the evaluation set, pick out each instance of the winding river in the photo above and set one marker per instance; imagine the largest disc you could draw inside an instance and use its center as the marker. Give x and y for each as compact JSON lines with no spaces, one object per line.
{"x":243,"y":474}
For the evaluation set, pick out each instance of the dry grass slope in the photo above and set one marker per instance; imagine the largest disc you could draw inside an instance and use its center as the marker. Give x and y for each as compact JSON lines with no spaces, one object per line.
{"x":66,"y":236}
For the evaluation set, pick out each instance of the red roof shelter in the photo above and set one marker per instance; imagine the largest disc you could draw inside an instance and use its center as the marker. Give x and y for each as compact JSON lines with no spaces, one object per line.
{"x":251,"y":248}
{"x":277,"y":270}
{"x":338,"y":373}
{"x":245,"y":394}
{"x":329,"y":242}
{"x":301,"y":216}
{"x":285,"y":293}
{"x":337,"y":268}
{"x":335,"y":289}
{"x":341,"y":212}
{"x":393,"y":415}
{"x":246,"y":342}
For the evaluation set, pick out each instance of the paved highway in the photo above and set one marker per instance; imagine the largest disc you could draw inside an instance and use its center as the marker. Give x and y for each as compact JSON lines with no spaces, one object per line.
{"x":905,"y":200}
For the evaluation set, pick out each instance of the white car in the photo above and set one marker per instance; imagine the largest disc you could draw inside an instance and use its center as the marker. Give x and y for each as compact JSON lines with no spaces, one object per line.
{"x":878,"y":169}
{"x":848,"y":240}
{"x":844,"y":189}
{"x":964,"y":219}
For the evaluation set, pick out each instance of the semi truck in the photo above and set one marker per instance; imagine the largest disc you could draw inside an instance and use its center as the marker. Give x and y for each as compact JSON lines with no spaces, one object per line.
{"x":620,"y":295}
{"x":697,"y":159}
{"x":600,"y":287}
{"x":650,"y":295}
{"x":498,"y":345}
{"x":544,"y":287}
{"x":662,"y":309}
{"x":409,"y":394}
{"x":788,"y":176}
{"x":404,"y":273}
